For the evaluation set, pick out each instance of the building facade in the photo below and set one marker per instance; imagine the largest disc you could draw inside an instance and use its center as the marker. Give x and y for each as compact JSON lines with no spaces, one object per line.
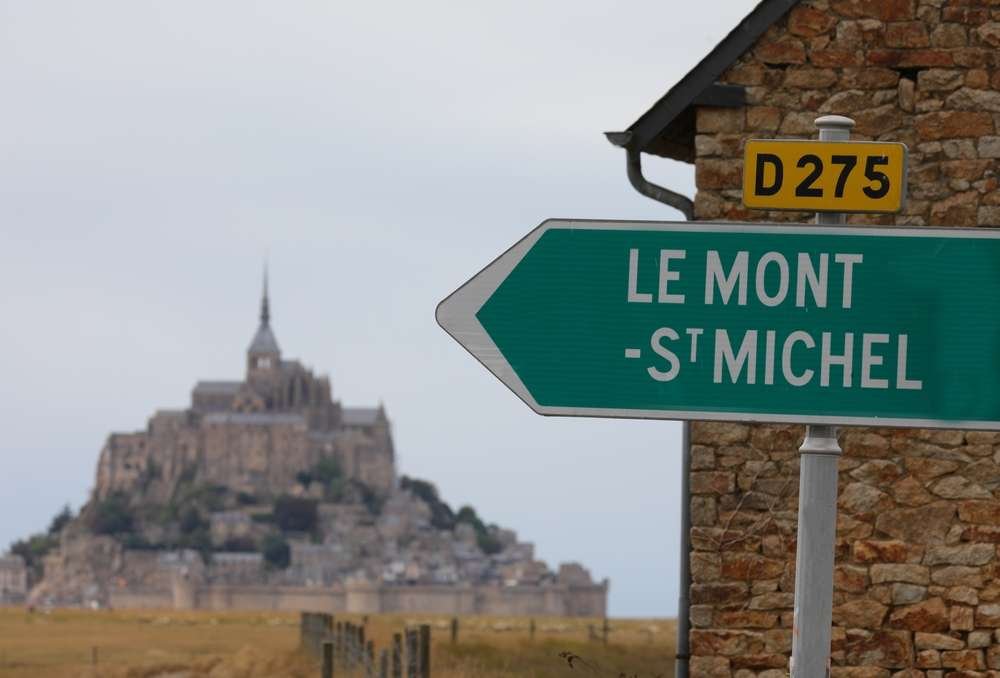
{"x":917,"y":576}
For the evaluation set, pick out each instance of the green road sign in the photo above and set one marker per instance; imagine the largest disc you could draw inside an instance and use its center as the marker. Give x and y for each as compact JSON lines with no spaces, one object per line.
{"x":810,"y":324}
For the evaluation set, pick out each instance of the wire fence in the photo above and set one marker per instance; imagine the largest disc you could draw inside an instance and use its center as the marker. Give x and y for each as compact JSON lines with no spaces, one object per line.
{"x":342,"y":649}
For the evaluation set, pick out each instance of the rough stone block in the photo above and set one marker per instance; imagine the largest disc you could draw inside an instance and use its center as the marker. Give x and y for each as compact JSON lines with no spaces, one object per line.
{"x":949,"y":35}
{"x":958,"y":576}
{"x":966,"y":660}
{"x":718,"y":433}
{"x":786,"y":51}
{"x":988,"y":616}
{"x":937,"y":641}
{"x":930,"y":616}
{"x":868,"y":78}
{"x":710,"y":667}
{"x":837,"y":58}
{"x":989,"y":33}
{"x":910,"y":58}
{"x":808,"y":21}
{"x":906,"y":34}
{"x":746,"y":619}
{"x":712,"y":482}
{"x":928,"y":659}
{"x":747,"y":566}
{"x":924,"y":525}
{"x":989,"y":216}
{"x":906,"y":594}
{"x":993,"y":657}
{"x":810,"y":78}
{"x":961,"y":618}
{"x":763,"y":118}
{"x":719,"y":594}
{"x":705,"y":566}
{"x":850,"y":578}
{"x":773,"y":601}
{"x":703,"y":511}
{"x":859,"y":614}
{"x":968,"y":99}
{"x":863,"y":499}
{"x":885,"y":10}
{"x":954,"y":124}
{"x":910,"y":492}
{"x":980,"y":512}
{"x":968,"y":554}
{"x":714,"y":120}
{"x":725,"y":643}
{"x":979,"y":639}
{"x":882,"y":648}
{"x":900,"y":572}
{"x":962,"y":594}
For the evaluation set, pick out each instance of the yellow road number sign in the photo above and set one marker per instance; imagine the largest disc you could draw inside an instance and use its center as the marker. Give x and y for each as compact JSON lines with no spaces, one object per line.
{"x":824,"y":176}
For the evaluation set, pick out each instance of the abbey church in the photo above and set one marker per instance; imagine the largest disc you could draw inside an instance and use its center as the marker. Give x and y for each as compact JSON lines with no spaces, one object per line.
{"x":255,"y":435}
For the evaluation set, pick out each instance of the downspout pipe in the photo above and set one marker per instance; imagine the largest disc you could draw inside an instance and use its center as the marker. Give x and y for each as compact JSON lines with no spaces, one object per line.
{"x":633,"y":167}
{"x":684,"y":595}
{"x":683,"y":204}
{"x":679,"y":202}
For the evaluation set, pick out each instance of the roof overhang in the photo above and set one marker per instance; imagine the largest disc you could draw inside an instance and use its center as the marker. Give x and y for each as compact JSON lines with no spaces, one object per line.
{"x":668,"y":128}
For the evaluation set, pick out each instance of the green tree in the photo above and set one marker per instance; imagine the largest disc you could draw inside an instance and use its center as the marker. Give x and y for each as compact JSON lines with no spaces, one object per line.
{"x":191,"y":520}
{"x":326,"y":469}
{"x":442,"y":517}
{"x":112,"y":516}
{"x":33,"y":550}
{"x":60,"y":520}
{"x":276,"y":551}
{"x":295,"y":514}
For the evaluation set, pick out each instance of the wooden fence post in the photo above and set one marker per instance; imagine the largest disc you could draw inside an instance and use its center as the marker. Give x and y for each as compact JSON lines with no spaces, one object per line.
{"x":411,"y":654}
{"x":397,"y":656}
{"x":531,"y":629}
{"x":425,"y":651}
{"x":339,"y":640}
{"x":454,"y":629}
{"x":369,"y":657}
{"x":606,"y":629}
{"x":383,"y":669}
{"x":327,"y":671}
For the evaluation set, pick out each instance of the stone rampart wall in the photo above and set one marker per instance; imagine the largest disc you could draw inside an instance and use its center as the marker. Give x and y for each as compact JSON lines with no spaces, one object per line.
{"x":589,"y":601}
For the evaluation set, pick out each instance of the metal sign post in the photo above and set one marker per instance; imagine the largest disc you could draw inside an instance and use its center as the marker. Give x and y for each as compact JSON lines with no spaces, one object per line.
{"x":812,"y":624}
{"x":814,"y":556}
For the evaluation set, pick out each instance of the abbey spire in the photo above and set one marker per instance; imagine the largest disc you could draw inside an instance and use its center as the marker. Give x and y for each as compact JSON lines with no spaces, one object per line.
{"x":263,"y":353}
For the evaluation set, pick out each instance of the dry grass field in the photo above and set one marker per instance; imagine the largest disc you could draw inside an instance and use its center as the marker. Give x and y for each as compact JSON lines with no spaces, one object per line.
{"x":168,"y":644}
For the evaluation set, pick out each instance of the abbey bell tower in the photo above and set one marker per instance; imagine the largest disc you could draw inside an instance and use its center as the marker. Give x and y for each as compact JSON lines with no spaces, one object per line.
{"x":263,"y":355}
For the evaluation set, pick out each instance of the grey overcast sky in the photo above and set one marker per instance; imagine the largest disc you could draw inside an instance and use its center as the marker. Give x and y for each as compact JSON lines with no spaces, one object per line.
{"x":378,"y":154}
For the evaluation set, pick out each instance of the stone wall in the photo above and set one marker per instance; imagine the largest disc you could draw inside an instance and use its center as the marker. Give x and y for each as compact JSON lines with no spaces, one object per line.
{"x":926,"y":73}
{"x":13,"y":579}
{"x":916,"y":582}
{"x":364,"y":598}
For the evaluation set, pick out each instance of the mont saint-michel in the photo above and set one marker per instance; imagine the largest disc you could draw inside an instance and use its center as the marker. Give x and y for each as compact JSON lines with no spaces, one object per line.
{"x":270,"y":493}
